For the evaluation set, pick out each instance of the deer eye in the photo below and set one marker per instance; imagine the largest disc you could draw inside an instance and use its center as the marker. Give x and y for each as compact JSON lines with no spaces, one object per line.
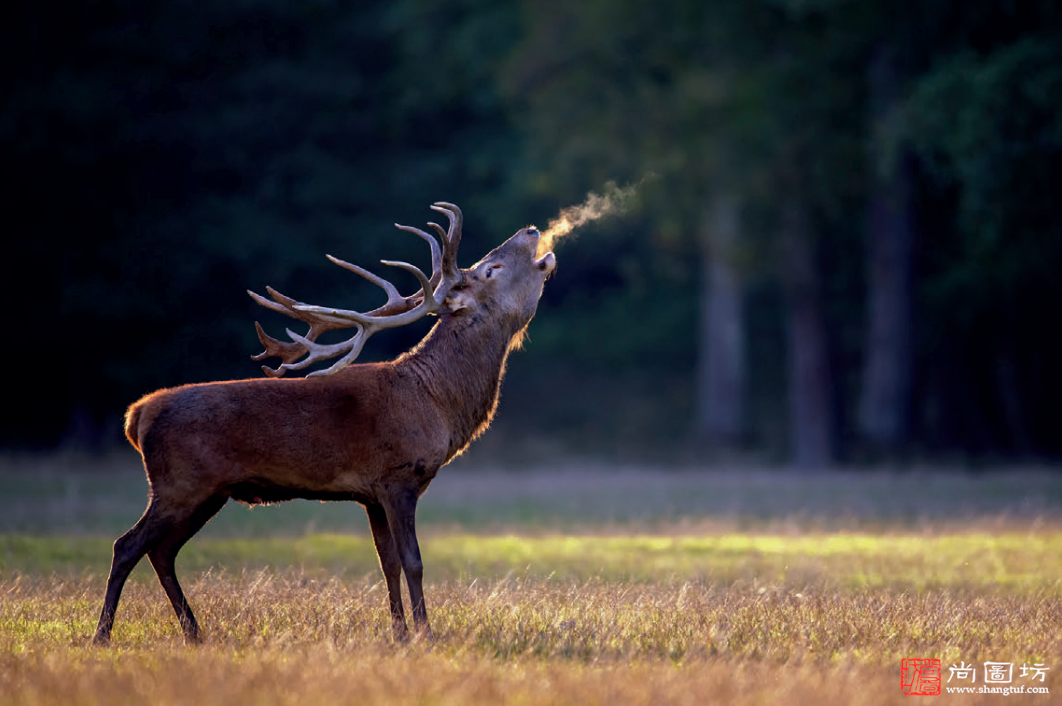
{"x":490,"y":270}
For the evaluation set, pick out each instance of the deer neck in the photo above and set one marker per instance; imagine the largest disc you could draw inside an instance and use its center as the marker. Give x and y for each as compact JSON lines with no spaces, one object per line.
{"x":461,"y":363}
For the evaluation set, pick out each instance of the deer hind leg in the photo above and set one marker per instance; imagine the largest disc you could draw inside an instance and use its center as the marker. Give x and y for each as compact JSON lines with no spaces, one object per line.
{"x":164,"y":554}
{"x":129,"y":549}
{"x":391,"y":564}
{"x":401,"y":517}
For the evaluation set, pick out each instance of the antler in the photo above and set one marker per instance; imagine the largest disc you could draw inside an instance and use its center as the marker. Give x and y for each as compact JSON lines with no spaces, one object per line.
{"x":398,"y":311}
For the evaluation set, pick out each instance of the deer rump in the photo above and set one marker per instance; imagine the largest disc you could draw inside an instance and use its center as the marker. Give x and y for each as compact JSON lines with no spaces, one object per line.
{"x":373,"y":433}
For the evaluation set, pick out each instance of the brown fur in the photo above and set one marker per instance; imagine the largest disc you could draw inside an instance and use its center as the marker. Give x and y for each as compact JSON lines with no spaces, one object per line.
{"x":374,"y":433}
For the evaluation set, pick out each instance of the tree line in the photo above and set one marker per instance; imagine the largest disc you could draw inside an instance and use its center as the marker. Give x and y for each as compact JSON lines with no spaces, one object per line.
{"x":847,"y":250}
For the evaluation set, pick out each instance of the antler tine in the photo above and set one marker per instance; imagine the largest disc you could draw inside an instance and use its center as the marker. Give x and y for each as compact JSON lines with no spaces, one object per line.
{"x":278,"y":305}
{"x":436,"y":255}
{"x":436,"y":251}
{"x":317,"y":352}
{"x":378,"y":323}
{"x":287,"y":306}
{"x":396,"y":303}
{"x":392,"y":292}
{"x":452,"y":238}
{"x":288,"y":352}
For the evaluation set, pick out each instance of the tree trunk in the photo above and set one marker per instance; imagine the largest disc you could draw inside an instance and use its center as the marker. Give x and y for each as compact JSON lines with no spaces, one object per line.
{"x":885,"y":398}
{"x":811,"y":429}
{"x":721,"y":349}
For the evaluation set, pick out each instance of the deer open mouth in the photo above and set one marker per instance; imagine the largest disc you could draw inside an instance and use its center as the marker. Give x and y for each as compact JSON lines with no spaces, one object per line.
{"x":547,"y":262}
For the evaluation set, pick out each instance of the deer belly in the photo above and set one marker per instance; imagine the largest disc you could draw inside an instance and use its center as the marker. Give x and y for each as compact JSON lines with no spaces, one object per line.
{"x":262,"y":491}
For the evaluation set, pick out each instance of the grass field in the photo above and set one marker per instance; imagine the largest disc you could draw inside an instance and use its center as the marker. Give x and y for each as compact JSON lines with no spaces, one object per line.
{"x":574,"y":585}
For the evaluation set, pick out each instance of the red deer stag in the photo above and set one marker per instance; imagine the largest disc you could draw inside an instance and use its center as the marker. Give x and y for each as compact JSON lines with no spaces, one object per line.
{"x":376,"y":433}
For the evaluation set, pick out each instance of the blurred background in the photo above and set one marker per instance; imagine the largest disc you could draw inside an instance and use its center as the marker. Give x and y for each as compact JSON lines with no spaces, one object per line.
{"x":848,"y":252}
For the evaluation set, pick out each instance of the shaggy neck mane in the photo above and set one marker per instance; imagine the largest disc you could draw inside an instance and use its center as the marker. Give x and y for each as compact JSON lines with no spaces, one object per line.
{"x":461,"y":363}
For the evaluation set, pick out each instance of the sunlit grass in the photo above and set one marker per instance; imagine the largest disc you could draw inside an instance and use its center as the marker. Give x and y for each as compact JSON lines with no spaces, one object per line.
{"x":287,"y":637}
{"x":1006,"y":562}
{"x":559,"y":588}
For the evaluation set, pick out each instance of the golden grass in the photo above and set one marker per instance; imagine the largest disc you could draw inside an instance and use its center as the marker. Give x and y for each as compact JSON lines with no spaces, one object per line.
{"x":282,"y":638}
{"x":320,"y":675}
{"x":296,"y":636}
{"x":735,"y":589}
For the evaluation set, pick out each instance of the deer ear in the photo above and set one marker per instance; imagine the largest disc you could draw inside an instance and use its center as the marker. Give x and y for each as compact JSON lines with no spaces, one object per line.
{"x":458,"y":300}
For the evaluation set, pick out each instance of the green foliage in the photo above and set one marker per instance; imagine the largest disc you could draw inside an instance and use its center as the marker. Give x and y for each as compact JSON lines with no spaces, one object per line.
{"x":990,"y":128}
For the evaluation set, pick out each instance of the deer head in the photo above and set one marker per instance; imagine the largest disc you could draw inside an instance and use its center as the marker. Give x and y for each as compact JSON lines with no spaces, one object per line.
{"x":509,"y":278}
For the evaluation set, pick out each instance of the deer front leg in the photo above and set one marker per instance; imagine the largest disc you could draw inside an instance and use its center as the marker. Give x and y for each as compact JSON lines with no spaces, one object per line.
{"x":391,"y":565}
{"x":401,"y":517}
{"x":164,"y":555}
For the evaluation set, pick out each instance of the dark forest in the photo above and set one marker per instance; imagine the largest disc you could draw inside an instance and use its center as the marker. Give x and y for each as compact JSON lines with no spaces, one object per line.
{"x":845,"y":244}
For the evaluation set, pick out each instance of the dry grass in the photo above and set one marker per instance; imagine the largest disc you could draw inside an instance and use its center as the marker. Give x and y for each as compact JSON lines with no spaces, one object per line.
{"x":278,"y":638}
{"x":701,"y":610}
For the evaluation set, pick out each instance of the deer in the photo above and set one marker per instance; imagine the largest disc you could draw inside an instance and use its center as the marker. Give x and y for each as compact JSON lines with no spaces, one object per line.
{"x":374,"y":433}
